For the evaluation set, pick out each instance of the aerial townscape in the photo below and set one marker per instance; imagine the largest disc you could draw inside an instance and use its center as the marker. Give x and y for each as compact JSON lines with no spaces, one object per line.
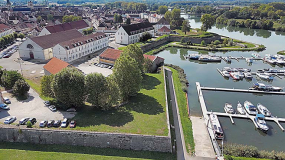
{"x":161,"y":80}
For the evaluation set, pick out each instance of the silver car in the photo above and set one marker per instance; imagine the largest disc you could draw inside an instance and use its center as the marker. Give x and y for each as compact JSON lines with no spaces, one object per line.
{"x":10,"y":120}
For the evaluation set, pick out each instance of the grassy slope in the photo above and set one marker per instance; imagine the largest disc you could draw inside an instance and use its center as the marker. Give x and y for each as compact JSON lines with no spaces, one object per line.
{"x":144,"y":114}
{"x":245,"y":158}
{"x":182,"y":104}
{"x":23,"y":151}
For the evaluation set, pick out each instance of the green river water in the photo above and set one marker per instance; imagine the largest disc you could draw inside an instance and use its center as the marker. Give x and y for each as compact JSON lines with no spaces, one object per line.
{"x":243,"y":131}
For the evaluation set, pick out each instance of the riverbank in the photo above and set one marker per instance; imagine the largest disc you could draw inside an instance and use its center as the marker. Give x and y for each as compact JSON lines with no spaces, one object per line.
{"x":281,"y":52}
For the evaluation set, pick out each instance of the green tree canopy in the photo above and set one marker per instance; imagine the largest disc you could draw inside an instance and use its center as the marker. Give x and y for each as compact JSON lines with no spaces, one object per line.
{"x":162,"y":9}
{"x":207,"y":21}
{"x":68,"y":87}
{"x":21,"y":87}
{"x":128,"y":76}
{"x":185,"y":26}
{"x":9,"y":78}
{"x":135,"y":52}
{"x":46,"y":88}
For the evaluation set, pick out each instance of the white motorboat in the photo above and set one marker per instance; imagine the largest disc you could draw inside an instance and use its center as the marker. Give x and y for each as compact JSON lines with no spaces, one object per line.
{"x":255,"y":55}
{"x":216,"y":126}
{"x":263,"y":110}
{"x":260,"y":123}
{"x":229,"y":108}
{"x":247,"y":75}
{"x":243,"y":69}
{"x":262,"y":87}
{"x":240,"y":109}
{"x":209,"y":59}
{"x":241,"y":75}
{"x":226,"y":73}
{"x":194,"y":56}
{"x":227,"y":59}
{"x":235,"y":75}
{"x":265,"y":76}
{"x":249,"y":60}
{"x":250,"y":108}
{"x":271,"y":61}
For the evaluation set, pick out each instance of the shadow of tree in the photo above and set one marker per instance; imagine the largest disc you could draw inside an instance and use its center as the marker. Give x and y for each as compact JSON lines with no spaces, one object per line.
{"x":92,"y":116}
{"x":149,"y":82}
{"x":144,"y":104}
{"x":23,"y":100}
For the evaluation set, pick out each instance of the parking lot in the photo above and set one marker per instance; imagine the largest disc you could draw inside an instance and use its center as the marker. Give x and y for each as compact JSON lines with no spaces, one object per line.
{"x":89,"y":67}
{"x":32,"y":107}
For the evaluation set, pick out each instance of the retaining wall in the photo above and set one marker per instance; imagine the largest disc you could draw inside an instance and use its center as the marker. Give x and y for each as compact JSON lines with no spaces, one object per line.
{"x":91,"y":139}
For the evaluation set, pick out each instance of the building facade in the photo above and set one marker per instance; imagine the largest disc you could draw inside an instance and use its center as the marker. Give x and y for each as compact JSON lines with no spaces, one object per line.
{"x":160,"y":24}
{"x":74,"y":49}
{"x":5,"y":30}
{"x":129,"y":34}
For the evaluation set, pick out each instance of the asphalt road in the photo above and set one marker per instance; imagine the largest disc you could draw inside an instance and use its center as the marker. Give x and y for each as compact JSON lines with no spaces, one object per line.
{"x":180,"y":146}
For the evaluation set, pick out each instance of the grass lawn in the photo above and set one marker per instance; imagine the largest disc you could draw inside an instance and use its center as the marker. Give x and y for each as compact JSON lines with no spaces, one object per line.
{"x":144,"y":114}
{"x":243,"y":158}
{"x":26,"y":151}
{"x":37,"y":88}
{"x":182,"y":104}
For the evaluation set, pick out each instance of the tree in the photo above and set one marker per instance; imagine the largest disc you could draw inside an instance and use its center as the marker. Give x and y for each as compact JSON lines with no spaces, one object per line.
{"x":203,"y":43}
{"x":21,"y":35}
{"x":68,"y":87}
{"x":96,"y":88}
{"x":162,"y":9}
{"x":50,"y":17}
{"x":167,"y":16}
{"x":9,"y":78}
{"x":70,"y":18}
{"x":147,"y":65}
{"x":128,"y":21}
{"x":272,"y":15}
{"x":21,"y":87}
{"x":115,"y":17}
{"x":282,"y":19}
{"x":185,"y":26}
{"x":145,"y":36}
{"x":207,"y":21}
{"x":112,"y":93}
{"x":135,"y":52}
{"x":128,"y":76}
{"x":39,"y":19}
{"x":46,"y":88}
{"x":120,"y":19}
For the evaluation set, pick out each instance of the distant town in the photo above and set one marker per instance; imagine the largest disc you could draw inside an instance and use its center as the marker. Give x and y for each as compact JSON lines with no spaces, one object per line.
{"x":142,"y":80}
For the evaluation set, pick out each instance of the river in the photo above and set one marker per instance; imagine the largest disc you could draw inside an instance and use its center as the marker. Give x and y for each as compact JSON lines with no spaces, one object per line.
{"x":243,"y":131}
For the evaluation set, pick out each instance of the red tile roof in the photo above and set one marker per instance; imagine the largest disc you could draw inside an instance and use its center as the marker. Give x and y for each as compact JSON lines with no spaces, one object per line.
{"x":55,"y":65}
{"x":4,"y":27}
{"x":111,"y":54}
{"x":67,"y":26}
{"x":51,"y":40}
{"x":164,"y":29}
{"x":152,"y":58}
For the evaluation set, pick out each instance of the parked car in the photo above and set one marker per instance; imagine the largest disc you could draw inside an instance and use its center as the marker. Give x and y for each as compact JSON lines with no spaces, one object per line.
{"x":110,"y":67}
{"x":10,"y":120}
{"x":95,"y":64}
{"x":23,"y":121}
{"x":64,"y":123}
{"x":72,"y":124}
{"x":43,"y":124}
{"x":52,"y":108}
{"x":71,"y":110}
{"x":57,"y":123}
{"x":7,"y":100}
{"x":47,"y":103}
{"x":50,"y":123}
{"x":7,"y":55}
{"x":4,"y":106}
{"x":33,"y":120}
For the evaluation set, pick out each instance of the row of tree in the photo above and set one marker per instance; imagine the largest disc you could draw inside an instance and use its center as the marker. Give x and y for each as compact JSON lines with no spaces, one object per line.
{"x":127,"y":6}
{"x":72,"y":88}
{"x":118,"y":18}
{"x":10,"y":38}
{"x":14,"y":80}
{"x":70,"y":18}
{"x":88,"y":31}
{"x":174,"y":18}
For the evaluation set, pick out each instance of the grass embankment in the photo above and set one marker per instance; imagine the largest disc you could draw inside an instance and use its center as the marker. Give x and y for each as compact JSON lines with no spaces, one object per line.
{"x":242,"y":158}
{"x":144,"y":114}
{"x":195,"y":33}
{"x":26,"y":151}
{"x":182,"y":104}
{"x":281,"y":52}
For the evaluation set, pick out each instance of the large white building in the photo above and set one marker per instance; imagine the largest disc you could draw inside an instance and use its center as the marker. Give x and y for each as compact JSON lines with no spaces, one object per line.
{"x":74,"y":49}
{"x":5,"y":30}
{"x":129,"y":34}
{"x":42,"y":47}
{"x":79,"y":25}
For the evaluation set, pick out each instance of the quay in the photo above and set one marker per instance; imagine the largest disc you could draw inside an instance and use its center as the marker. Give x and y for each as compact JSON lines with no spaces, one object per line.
{"x":240,"y":90}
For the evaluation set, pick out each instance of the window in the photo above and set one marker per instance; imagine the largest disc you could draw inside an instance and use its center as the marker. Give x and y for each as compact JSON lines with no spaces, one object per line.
{"x":30,"y":46}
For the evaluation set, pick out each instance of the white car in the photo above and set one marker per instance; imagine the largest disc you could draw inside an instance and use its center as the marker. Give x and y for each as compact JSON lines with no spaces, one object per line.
{"x":64,"y":123}
{"x":23,"y":121}
{"x":7,"y":100}
{"x":10,"y":120}
{"x":52,"y":108}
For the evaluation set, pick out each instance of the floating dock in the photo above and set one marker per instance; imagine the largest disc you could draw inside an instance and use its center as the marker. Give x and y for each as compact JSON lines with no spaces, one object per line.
{"x":240,"y":90}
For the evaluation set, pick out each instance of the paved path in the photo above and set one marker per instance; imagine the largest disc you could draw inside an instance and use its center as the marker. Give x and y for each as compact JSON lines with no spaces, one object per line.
{"x":180,"y":143}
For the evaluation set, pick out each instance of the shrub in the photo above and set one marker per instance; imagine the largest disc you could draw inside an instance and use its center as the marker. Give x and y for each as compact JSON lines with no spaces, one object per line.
{"x":217,"y":42}
{"x":182,"y":76}
{"x":29,"y":124}
{"x":9,"y":78}
{"x":21,"y":88}
{"x":203,"y":43}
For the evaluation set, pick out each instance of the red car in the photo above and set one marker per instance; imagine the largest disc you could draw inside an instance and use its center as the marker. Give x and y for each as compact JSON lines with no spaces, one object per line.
{"x":72,"y":124}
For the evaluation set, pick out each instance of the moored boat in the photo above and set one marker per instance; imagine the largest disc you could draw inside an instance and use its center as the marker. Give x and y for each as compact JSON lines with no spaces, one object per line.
{"x":247,"y":75}
{"x":240,"y":109}
{"x":216,"y":126}
{"x":249,"y":60}
{"x":229,"y":108}
{"x":226,"y":73}
{"x":262,"y":87}
{"x":250,"y":108}
{"x":260,"y":123}
{"x":235,"y":75}
{"x":263,"y":110}
{"x":265,"y":76}
{"x":209,"y":59}
{"x":255,"y":55}
{"x":194,"y":56}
